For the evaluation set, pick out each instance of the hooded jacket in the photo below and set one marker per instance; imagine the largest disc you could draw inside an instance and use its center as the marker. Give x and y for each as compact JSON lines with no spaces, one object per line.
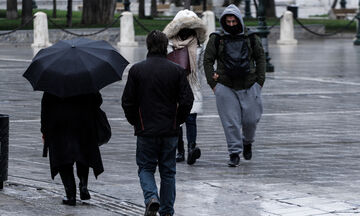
{"x":188,"y":19}
{"x":256,"y":53}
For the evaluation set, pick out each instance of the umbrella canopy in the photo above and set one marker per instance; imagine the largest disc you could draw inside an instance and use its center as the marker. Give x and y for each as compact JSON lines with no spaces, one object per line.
{"x":75,"y":67}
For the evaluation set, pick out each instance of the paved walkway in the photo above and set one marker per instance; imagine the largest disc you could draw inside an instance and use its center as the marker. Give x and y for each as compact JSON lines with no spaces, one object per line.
{"x":305,"y":161}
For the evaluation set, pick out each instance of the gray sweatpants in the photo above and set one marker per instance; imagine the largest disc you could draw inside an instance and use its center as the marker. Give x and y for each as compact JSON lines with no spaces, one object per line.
{"x":239,"y":111}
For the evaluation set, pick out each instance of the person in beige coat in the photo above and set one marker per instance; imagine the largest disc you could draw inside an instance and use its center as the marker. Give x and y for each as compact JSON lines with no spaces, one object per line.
{"x":188,"y":30}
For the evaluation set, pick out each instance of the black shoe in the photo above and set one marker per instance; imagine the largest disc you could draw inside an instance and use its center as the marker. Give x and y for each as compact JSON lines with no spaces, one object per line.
{"x":180,"y":157}
{"x":84,"y":192}
{"x":71,"y":201}
{"x":234,"y":160}
{"x":152,"y":207}
{"x":247,"y":153}
{"x":193,"y":155}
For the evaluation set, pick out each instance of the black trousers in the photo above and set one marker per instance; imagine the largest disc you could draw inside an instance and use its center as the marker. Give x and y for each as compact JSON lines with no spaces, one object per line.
{"x":68,"y":179}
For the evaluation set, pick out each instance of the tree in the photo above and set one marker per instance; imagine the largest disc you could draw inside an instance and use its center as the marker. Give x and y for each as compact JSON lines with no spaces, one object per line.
{"x":69,"y":14}
{"x":187,"y":4}
{"x":54,"y":9}
{"x":98,"y":11}
{"x":334,"y":4}
{"x":153,"y":11}
{"x":141,"y":9}
{"x":26,"y":11}
{"x":11,"y":9}
{"x":178,"y":3}
{"x":228,"y":2}
{"x":270,"y":8}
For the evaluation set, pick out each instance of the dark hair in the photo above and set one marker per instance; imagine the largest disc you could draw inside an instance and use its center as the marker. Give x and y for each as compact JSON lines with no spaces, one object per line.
{"x":157,"y":42}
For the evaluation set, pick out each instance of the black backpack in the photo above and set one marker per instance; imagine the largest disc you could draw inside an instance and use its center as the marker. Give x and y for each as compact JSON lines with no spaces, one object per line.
{"x":236,"y":57}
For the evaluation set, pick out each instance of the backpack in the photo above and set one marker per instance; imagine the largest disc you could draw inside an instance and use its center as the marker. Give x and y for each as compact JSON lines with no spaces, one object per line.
{"x":236,"y":57}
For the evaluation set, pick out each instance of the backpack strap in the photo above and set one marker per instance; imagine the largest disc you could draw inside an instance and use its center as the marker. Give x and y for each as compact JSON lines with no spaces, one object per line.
{"x":252,"y":36}
{"x":218,"y":37}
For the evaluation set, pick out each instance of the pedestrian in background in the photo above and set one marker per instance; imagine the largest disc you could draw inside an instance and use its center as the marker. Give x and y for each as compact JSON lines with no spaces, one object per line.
{"x":236,"y":82}
{"x":188,"y":30}
{"x":157,"y":98}
{"x":69,"y":133}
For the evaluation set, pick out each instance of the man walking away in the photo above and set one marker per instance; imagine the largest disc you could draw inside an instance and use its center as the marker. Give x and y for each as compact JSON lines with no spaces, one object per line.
{"x":157,"y":98}
{"x":237,"y":81}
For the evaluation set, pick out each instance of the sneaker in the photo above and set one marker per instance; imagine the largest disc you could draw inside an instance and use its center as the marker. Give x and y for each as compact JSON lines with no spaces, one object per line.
{"x":234,"y":160}
{"x":180,"y":157}
{"x":193,"y":155}
{"x":247,"y":153}
{"x":152,"y":207}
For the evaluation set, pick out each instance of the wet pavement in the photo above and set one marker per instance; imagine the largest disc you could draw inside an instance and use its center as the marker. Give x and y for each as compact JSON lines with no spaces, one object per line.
{"x":305,"y":158}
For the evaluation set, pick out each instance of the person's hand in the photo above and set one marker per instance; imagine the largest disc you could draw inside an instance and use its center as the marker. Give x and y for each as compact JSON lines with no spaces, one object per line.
{"x":215,"y":76}
{"x":214,"y":89}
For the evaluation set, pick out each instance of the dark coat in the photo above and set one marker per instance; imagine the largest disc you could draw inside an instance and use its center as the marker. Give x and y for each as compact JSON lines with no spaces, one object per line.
{"x":214,"y":53}
{"x":68,"y":127}
{"x":157,"y":97}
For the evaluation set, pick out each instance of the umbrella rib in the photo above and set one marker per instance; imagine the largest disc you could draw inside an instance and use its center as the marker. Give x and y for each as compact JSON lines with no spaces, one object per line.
{"x":90,"y":43}
{"x":49,"y":51}
{"x":83,"y":62}
{"x":45,"y":68}
{"x":101,"y":48}
{"x":105,"y":60}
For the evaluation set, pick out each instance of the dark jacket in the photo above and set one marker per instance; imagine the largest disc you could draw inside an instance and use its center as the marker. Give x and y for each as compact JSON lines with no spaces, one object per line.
{"x":157,"y":97}
{"x":68,"y":127}
{"x":256,"y":53}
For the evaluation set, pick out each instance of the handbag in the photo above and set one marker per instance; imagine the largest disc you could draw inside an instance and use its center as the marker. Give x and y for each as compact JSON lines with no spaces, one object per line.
{"x":103,"y":129}
{"x":181,"y":57}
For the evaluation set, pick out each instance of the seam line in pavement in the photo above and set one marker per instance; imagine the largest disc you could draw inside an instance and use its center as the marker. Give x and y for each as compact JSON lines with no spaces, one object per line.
{"x":217,"y":116}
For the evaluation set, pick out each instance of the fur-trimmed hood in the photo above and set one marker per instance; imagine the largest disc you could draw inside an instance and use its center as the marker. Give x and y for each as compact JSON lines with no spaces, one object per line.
{"x":186,"y":19}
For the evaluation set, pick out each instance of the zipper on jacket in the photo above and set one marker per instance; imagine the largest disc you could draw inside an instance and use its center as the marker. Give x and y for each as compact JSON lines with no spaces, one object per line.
{"x":141,"y":121}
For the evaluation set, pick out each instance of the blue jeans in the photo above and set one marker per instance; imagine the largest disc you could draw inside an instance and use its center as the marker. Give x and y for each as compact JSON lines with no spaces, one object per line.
{"x":191,"y":131}
{"x":150,"y":152}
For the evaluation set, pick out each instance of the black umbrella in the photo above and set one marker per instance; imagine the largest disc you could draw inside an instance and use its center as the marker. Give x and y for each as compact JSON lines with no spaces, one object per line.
{"x":74,"y":67}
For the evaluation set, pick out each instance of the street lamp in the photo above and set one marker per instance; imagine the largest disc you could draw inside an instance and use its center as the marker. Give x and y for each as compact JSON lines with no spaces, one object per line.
{"x":247,"y":10}
{"x":263,"y":32}
{"x":357,"y":41}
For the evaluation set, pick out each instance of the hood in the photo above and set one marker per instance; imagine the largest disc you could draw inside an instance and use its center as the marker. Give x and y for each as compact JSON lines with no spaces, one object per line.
{"x":186,"y":19}
{"x":233,"y":10}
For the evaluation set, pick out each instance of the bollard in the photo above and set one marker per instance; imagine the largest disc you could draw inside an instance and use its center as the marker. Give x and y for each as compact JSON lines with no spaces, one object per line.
{"x":127,"y":32}
{"x":287,"y":29}
{"x":41,"y":32}
{"x":4,"y":148}
{"x":357,"y":37}
{"x":209,"y":20}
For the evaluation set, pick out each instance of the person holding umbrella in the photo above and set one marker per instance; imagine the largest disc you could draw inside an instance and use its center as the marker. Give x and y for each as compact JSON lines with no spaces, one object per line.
{"x":69,"y":132}
{"x":71,"y":73}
